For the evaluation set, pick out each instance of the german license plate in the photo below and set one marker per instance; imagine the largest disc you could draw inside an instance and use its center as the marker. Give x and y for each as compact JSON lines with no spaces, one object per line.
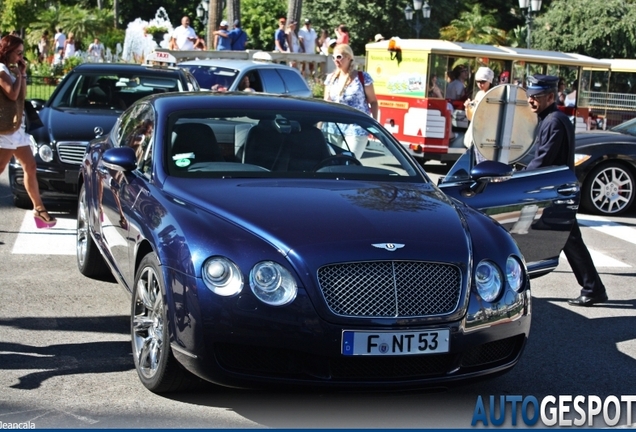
{"x":384,"y":343}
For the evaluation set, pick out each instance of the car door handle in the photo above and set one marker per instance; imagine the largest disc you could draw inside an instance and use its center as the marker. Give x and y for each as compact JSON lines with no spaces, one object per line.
{"x":568,"y":189}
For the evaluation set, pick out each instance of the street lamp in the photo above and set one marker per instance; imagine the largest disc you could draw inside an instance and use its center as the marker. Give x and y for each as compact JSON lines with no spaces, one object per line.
{"x":409,"y":12}
{"x":202,"y":11}
{"x":527,"y":8}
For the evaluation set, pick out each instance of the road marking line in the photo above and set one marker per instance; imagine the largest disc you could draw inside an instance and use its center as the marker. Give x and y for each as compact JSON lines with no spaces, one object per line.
{"x":59,"y":240}
{"x":608,"y":227}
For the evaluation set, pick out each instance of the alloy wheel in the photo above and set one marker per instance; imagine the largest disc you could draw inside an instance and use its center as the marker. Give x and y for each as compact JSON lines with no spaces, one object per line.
{"x":611,"y":190}
{"x":148,"y":323}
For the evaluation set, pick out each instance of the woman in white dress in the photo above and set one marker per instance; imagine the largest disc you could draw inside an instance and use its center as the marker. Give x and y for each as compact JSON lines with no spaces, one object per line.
{"x":15,"y":141}
{"x":69,"y":46}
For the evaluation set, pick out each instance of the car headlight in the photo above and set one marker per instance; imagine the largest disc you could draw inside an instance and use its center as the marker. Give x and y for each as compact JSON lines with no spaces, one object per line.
{"x":514,"y":273}
{"x":46,"y":153}
{"x":222,"y":276}
{"x":271,"y":283}
{"x":488,"y":280}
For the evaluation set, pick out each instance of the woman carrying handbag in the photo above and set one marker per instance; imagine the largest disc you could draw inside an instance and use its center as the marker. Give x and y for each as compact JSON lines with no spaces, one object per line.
{"x":14,"y":141}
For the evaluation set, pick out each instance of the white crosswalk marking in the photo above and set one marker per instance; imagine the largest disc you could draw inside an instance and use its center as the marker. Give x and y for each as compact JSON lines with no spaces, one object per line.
{"x":60,"y":240}
{"x":606,"y":226}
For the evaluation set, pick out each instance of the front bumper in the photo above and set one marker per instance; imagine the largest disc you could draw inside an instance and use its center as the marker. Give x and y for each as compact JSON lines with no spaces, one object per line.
{"x":57,"y":182}
{"x":239,"y":342}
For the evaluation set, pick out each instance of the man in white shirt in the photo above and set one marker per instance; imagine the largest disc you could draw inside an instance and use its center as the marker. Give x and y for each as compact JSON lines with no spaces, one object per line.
{"x":60,"y":39}
{"x":96,"y":50}
{"x":308,"y":37}
{"x":184,"y":35}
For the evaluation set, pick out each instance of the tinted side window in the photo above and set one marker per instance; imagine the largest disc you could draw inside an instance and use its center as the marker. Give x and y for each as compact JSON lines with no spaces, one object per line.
{"x":138,"y":134}
{"x":272,"y":82}
{"x":294,"y":82}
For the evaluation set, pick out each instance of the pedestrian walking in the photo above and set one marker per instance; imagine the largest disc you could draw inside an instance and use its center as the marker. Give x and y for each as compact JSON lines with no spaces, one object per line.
{"x":60,"y":39}
{"x":44,"y":47}
{"x":14,"y":141}
{"x":554,"y":145}
{"x":353,"y":88}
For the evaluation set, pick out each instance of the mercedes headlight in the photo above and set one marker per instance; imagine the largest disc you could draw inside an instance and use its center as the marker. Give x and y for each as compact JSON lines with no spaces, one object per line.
{"x":272,"y":284}
{"x":488,"y":280}
{"x":46,"y":153}
{"x":514,"y":273}
{"x":222,"y":276}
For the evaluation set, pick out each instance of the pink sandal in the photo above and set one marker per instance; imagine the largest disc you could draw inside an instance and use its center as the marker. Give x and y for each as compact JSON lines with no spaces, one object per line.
{"x":43,"y":219}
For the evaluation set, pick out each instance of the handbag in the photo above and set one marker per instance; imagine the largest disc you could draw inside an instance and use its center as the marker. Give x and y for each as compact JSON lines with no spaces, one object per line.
{"x":33,"y":120}
{"x":10,"y":114}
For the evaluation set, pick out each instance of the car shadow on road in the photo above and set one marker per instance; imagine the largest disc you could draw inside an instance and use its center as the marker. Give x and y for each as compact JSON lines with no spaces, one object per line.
{"x":41,"y":363}
{"x":568,"y":353}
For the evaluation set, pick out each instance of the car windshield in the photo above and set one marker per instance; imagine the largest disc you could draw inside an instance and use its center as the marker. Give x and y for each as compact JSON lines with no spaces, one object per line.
{"x":629,"y":127}
{"x":253,"y":143}
{"x":213,"y":77}
{"x":110,"y":91}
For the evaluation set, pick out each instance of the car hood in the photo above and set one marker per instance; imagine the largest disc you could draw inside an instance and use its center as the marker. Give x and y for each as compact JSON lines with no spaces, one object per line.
{"x":315,"y":217}
{"x":584,"y":139}
{"x":73,"y":124}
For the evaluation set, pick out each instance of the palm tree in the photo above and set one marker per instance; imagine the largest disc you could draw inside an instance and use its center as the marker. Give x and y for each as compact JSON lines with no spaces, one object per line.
{"x":474,"y":27}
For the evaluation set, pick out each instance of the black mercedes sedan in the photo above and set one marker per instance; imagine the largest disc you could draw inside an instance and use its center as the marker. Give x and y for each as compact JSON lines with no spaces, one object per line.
{"x":85,"y":105}
{"x":606,"y":167}
{"x":258,"y":249}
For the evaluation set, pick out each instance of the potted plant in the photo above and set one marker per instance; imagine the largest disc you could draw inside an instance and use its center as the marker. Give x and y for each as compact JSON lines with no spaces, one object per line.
{"x":157,"y":32}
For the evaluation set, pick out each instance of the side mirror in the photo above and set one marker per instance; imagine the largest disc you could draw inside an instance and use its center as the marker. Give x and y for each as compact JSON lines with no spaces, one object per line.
{"x":120,"y":159}
{"x":38,"y":104}
{"x":487,"y":172}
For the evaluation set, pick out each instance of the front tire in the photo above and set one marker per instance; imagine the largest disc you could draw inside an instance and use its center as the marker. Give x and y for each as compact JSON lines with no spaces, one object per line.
{"x":156,"y":366}
{"x":608,"y":190}
{"x":89,"y":260}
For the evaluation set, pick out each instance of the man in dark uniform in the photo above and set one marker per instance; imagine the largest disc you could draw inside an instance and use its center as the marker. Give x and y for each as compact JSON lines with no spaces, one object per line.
{"x":554,"y":145}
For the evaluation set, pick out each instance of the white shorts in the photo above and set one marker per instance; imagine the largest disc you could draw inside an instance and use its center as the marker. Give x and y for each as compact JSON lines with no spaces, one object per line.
{"x":17,"y":139}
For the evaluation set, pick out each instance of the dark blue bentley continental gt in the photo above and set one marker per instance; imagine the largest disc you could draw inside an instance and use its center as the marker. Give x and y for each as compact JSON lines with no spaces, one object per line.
{"x":259,"y":250}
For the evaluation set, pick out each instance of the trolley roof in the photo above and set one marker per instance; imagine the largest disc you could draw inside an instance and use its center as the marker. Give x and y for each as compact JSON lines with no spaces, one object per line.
{"x":462,"y":49}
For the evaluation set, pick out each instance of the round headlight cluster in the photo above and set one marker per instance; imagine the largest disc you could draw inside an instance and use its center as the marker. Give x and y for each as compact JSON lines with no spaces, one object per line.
{"x":222,"y":276}
{"x":45,"y":152}
{"x":488,"y":280}
{"x":271,"y":283}
{"x":514,"y":273}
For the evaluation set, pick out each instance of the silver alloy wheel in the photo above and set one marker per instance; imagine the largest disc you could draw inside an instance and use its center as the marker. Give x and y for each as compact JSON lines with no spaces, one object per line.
{"x":148,"y":323}
{"x":611,"y":190}
{"x":82,"y":230}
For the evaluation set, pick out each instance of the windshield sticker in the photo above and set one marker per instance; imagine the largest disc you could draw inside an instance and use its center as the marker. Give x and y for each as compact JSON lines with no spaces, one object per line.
{"x":182,"y":163}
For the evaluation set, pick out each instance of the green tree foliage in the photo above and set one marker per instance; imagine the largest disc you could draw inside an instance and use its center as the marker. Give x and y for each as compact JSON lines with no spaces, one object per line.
{"x":259,"y":19}
{"x":476,"y":26}
{"x":16,"y":14}
{"x":597,"y":29}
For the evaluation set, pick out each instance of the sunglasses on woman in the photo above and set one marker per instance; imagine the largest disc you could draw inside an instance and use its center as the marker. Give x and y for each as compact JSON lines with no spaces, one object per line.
{"x":337,"y":56}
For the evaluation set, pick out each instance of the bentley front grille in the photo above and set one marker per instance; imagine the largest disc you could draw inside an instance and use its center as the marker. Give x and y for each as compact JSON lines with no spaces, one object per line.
{"x":391,"y":289}
{"x":71,"y":152}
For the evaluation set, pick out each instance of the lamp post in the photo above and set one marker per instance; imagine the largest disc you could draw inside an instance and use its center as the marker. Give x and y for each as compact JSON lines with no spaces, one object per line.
{"x":527,"y":8}
{"x":409,"y":12}
{"x":202,"y":11}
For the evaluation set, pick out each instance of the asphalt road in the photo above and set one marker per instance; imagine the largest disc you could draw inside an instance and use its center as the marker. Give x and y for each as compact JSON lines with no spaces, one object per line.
{"x":65,"y":357}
